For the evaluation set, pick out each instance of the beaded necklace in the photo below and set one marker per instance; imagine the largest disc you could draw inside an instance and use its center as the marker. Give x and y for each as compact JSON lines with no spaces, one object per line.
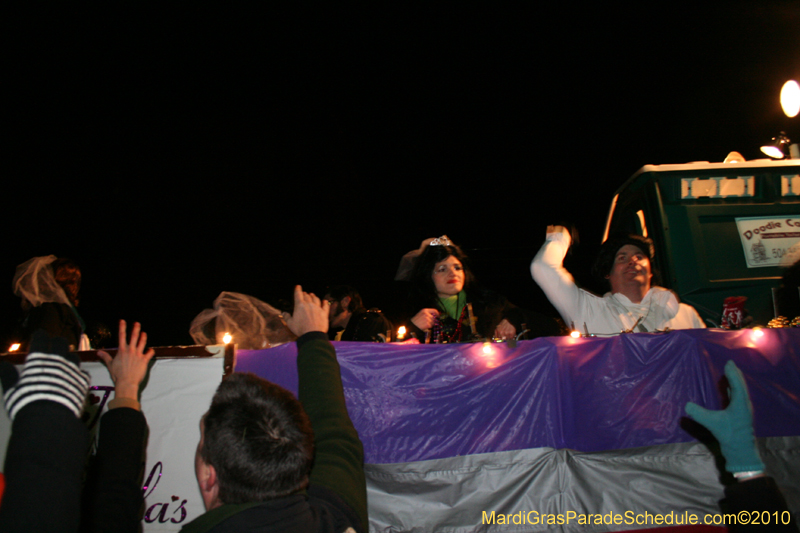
{"x":440,"y":328}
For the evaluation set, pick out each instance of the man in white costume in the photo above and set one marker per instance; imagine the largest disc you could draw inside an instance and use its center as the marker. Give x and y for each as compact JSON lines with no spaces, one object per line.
{"x":632,"y":305}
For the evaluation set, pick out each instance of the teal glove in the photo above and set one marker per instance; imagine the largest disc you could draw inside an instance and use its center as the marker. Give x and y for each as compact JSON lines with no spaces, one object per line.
{"x":733,"y":426}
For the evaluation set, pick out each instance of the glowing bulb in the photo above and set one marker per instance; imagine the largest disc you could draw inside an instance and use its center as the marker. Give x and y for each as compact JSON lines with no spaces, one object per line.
{"x":575,"y":334}
{"x":772,"y":152}
{"x":401,"y":333}
{"x":790,"y":98}
{"x":487,"y":348}
{"x":227,"y":338}
{"x":14,"y":347}
{"x":757,"y":333}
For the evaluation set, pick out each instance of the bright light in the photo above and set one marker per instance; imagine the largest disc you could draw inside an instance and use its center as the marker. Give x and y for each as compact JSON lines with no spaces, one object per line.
{"x":489,"y":355}
{"x":772,"y":151}
{"x":757,"y":333}
{"x":575,"y":334}
{"x":790,"y":98}
{"x":401,"y":333}
{"x":227,"y":338}
{"x":14,"y":347}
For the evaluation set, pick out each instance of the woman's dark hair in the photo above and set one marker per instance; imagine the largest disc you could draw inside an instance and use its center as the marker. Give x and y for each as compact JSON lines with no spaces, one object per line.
{"x":421,"y":287}
{"x":68,"y":275}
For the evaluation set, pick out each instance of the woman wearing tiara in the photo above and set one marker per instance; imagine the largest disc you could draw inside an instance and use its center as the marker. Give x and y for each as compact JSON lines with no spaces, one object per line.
{"x":452,"y":307}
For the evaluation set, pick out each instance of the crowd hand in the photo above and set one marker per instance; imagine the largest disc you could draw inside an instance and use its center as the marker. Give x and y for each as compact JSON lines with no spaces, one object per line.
{"x":129,"y":367}
{"x":732,"y":426}
{"x":426,"y":318}
{"x":310,"y":313}
{"x":505,"y":330}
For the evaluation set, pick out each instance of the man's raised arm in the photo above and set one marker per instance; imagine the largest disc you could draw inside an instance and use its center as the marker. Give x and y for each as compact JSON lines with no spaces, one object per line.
{"x":549,"y":273}
{"x":339,"y":459}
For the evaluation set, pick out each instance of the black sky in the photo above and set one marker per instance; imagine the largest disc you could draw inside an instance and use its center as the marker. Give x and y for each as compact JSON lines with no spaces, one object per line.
{"x":177,"y":155}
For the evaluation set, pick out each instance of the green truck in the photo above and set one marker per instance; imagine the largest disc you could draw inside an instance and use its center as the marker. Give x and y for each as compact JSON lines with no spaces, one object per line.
{"x":720,"y":229}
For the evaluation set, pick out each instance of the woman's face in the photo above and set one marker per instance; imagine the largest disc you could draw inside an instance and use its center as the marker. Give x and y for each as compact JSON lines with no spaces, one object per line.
{"x":448,"y":277}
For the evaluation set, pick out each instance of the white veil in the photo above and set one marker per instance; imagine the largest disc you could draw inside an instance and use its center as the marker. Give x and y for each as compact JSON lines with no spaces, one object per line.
{"x":35,"y":282}
{"x":253,"y":324}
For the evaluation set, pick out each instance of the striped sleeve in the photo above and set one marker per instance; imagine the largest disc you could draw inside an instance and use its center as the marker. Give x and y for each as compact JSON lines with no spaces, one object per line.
{"x":50,"y":378}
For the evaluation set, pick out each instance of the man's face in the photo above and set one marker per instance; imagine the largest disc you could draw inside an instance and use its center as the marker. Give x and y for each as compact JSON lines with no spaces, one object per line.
{"x":336,"y":314}
{"x":631,"y":269}
{"x":198,"y":458}
{"x":200,"y":466}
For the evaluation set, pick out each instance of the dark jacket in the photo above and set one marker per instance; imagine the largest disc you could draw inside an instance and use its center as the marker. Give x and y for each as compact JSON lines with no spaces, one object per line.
{"x":113,"y":499}
{"x":337,"y":495}
{"x":57,"y":319}
{"x":45,"y":465}
{"x":490,"y":308}
{"x":762,"y":502}
{"x":364,"y":326}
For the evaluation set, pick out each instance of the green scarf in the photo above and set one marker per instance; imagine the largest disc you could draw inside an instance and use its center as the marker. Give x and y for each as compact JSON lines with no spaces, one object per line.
{"x":454,"y":305}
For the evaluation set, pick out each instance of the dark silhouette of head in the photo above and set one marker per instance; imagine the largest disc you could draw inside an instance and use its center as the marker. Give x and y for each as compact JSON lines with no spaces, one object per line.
{"x":68,"y":276}
{"x":258,"y":439}
{"x":337,"y":293}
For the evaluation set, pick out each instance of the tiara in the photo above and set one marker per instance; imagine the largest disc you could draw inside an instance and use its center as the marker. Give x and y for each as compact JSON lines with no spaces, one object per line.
{"x":441,"y":241}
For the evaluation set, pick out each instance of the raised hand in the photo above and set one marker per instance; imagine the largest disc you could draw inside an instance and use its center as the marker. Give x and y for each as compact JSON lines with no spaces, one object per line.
{"x":557,"y":229}
{"x":310,"y":313}
{"x":732,"y":426}
{"x":129,"y":367}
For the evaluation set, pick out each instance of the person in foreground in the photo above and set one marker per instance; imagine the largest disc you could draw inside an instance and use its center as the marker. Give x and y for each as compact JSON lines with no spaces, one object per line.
{"x":633,"y":304}
{"x":754,"y":492}
{"x":47,"y":450}
{"x":257,"y":445}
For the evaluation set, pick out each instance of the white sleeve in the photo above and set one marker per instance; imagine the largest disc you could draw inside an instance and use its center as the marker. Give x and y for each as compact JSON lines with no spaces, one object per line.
{"x":696,"y":318}
{"x":548,"y":271}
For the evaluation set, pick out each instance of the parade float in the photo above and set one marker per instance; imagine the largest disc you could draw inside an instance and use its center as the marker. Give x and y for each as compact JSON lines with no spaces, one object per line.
{"x":457,"y":436}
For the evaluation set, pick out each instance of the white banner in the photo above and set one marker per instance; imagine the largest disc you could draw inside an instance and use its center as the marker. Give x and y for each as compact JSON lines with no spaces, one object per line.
{"x":770,"y":241}
{"x":177,"y":393}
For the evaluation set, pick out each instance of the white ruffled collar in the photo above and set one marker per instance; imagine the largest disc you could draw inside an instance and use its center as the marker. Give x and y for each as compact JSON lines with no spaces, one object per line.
{"x":659,"y":306}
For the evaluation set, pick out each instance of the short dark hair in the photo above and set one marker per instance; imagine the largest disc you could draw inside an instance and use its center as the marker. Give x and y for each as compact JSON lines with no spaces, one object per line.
{"x":421,"y":285}
{"x":258,"y":439}
{"x":340,"y":292}
{"x":608,"y":252}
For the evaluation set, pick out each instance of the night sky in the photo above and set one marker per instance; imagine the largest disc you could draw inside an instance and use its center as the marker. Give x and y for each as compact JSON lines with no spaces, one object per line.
{"x":177,"y":155}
